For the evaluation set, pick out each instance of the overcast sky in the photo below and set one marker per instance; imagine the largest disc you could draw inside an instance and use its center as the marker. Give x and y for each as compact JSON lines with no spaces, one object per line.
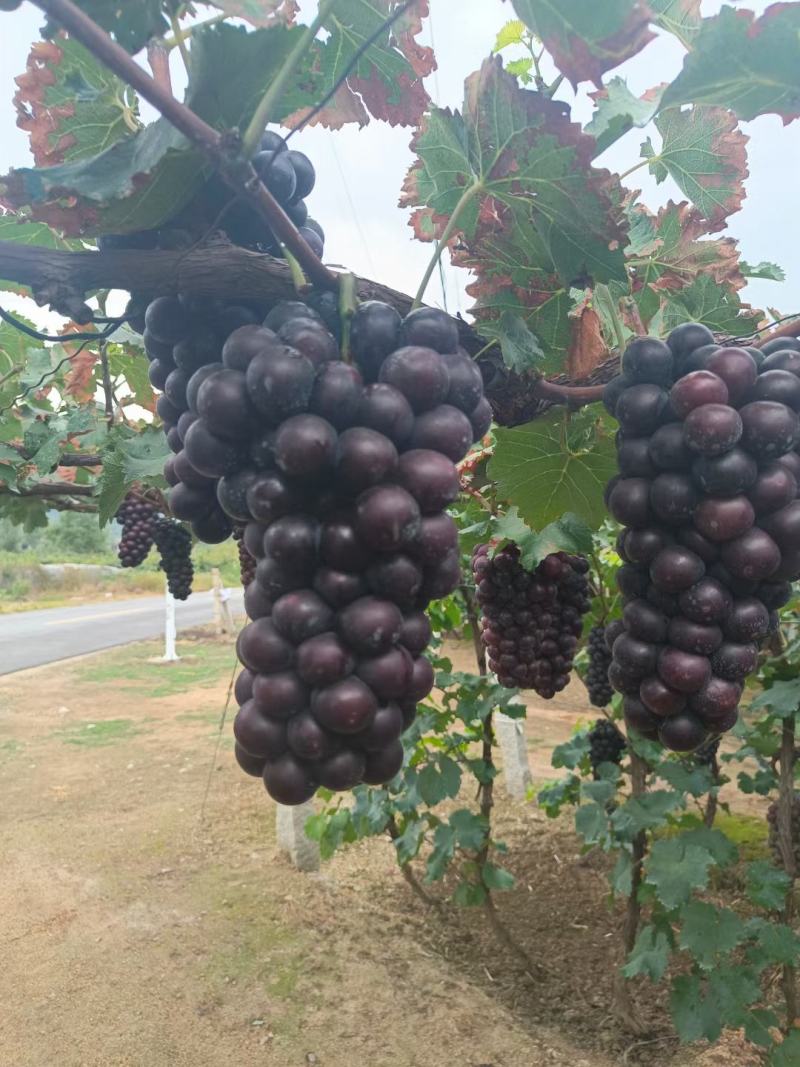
{"x":360,"y":172}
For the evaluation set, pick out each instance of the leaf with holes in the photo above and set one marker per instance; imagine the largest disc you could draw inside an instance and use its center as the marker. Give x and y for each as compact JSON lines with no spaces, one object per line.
{"x":531,"y":206}
{"x":535,"y":467}
{"x":131,"y":24}
{"x":749,"y":65}
{"x":679,"y":17}
{"x":70,"y":104}
{"x":703,"y":151}
{"x":585,"y":40}
{"x":618,"y":110}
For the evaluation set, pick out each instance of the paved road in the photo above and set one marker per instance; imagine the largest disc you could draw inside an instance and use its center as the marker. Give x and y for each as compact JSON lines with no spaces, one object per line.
{"x":31,"y":638}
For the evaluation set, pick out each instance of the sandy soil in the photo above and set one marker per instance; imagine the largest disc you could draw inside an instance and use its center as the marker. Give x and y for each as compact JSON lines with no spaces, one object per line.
{"x":147,"y":918}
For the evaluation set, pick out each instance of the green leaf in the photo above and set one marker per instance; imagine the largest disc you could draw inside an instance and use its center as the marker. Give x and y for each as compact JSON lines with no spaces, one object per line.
{"x":776,"y":943}
{"x":535,"y":467}
{"x":470,"y":829}
{"x":685,"y":777}
{"x":111,"y":485}
{"x":650,"y":955}
{"x":716,"y":306}
{"x":678,"y":17}
{"x":695,"y":1016}
{"x":647,"y":812}
{"x":496,"y":877}
{"x":619,"y":111}
{"x":129,"y":363}
{"x":758,"y":1024}
{"x":767,"y":885}
{"x":721,"y":847}
{"x":512,"y":33}
{"x":144,"y":455}
{"x":621,"y":877}
{"x":765,"y":270}
{"x":708,"y":932}
{"x":131,"y":24}
{"x":469,"y":895}
{"x":591,"y":822}
{"x":733,"y":989}
{"x":261,"y":13}
{"x":440,"y":780}
{"x":442,"y":853}
{"x":787,"y":1054}
{"x":521,"y":351}
{"x":675,"y":869}
{"x":521,"y":68}
{"x":703,"y":151}
{"x":571,"y":753}
{"x":408,"y":843}
{"x":567,"y":534}
{"x":782,"y":699}
{"x":70,"y":104}
{"x":749,"y":65}
{"x":585,"y":40}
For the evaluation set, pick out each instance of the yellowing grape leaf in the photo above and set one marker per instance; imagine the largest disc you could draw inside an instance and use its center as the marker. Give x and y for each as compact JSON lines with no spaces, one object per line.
{"x":587,"y":39}
{"x":703,"y":151}
{"x":70,"y":104}
{"x":749,"y":65}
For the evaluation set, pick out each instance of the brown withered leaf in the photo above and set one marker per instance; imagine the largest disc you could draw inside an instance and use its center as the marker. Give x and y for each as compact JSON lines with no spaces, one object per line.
{"x":587,"y":347}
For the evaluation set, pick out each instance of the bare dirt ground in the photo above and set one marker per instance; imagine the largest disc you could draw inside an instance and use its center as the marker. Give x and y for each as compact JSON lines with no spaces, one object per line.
{"x":141,"y":927}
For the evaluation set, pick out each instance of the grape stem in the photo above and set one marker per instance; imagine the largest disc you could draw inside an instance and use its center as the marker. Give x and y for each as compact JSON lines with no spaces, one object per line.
{"x":788,"y":329}
{"x":623,"y":1005}
{"x":158,"y":59}
{"x":444,"y":240}
{"x":786,"y":843}
{"x":575,"y":395}
{"x":223,"y":150}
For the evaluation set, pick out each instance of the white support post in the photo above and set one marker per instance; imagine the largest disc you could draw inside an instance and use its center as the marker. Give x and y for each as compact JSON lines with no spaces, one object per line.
{"x":170,"y":652}
{"x":511,"y":738}
{"x":223,"y":618}
{"x":290,"y":829}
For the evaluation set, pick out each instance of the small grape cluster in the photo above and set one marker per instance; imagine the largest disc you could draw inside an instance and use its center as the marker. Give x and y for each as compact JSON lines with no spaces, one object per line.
{"x":340,"y":475}
{"x":706,"y":493}
{"x":290,"y":177}
{"x":606,"y":743}
{"x":596,"y":678}
{"x":247,"y":562}
{"x":174,"y":544}
{"x":531,"y":620}
{"x":137,"y":518}
{"x":774,"y":836}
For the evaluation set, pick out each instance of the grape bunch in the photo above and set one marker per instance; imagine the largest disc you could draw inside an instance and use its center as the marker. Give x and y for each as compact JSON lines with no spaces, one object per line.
{"x":596,"y":679}
{"x":290,"y":177}
{"x":174,"y":544}
{"x":340,"y":475}
{"x":531,"y":620}
{"x":774,"y":837}
{"x":247,"y":562}
{"x":706,"y":493}
{"x":137,"y":518}
{"x":606,"y":743}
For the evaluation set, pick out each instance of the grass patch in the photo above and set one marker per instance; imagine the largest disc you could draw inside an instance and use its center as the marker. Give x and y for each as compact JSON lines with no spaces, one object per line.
{"x":747,"y":832}
{"x":11,"y":747}
{"x":203,"y":664}
{"x":96,"y":734}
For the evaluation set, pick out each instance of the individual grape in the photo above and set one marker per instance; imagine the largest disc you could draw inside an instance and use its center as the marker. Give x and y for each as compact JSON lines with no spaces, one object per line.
{"x":396,"y":578}
{"x":780,"y":344}
{"x":387,"y":517}
{"x":733,"y":661}
{"x":748,"y":621}
{"x":263,"y":649}
{"x":673,"y":498}
{"x":232,"y":493}
{"x":692,"y":539}
{"x":613,"y":391}
{"x":629,"y":502}
{"x":637,"y":658}
{"x":722,"y":519}
{"x":385,"y":409}
{"x":782,"y":359}
{"x":642,"y":546}
{"x":668,"y":450}
{"x":376,"y":332}
{"x":784,"y":526}
{"x":279,"y":382}
{"x":633,"y":458}
{"x":167,"y":320}
{"x":301,"y":614}
{"x":289,"y":781}
{"x":698,"y":638}
{"x":305,"y":447}
{"x":252,"y":765}
{"x":676,"y":568}
{"x":732,"y":473}
{"x":339,"y":588}
{"x":437,"y":537}
{"x":645,"y":622}
{"x":415,"y":632}
{"x":308,"y":740}
{"x":707,"y":601}
{"x":693,"y":390}
{"x":382,"y":766}
{"x":712,"y":429}
{"x":753,"y":556}
{"x":370,"y":626}
{"x":466,"y":381}
{"x":632,"y":581}
{"x":769,"y":429}
{"x":189,"y":504}
{"x":312,"y":238}
{"x":312,"y":339}
{"x":683,"y":671}
{"x":640,"y":408}
{"x":640,"y":718}
{"x":384,"y":730}
{"x":774,"y":595}
{"x":259,"y":735}
{"x":685,"y":338}
{"x":431,"y":328}
{"x":364,"y":458}
{"x":292,"y":543}
{"x":443,"y":429}
{"x":648,"y":360}
{"x":337,"y":394}
{"x":245,"y":344}
{"x":270,"y":497}
{"x":738,"y":370}
{"x":778,"y":386}
{"x":682,"y":733}
{"x":481,"y":418}
{"x":422,"y":679}
{"x":276,"y":171}
{"x":214,"y":528}
{"x":389,"y":675}
{"x":658,"y":698}
{"x":419,"y":374}
{"x":346,"y":707}
{"x":209,"y":454}
{"x":280,"y":695}
{"x":774,"y":488}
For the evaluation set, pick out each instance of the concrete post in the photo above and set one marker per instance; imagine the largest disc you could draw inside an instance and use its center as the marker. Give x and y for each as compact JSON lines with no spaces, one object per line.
{"x":511,"y":738}
{"x":290,"y":826}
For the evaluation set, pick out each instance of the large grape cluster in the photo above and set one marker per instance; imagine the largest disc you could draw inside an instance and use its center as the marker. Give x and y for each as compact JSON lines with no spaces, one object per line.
{"x":531,"y":620}
{"x":596,"y":678}
{"x":340,"y":474}
{"x":137,"y":518}
{"x":774,"y":834}
{"x":174,"y":544}
{"x":707,"y":487}
{"x":606,"y":743}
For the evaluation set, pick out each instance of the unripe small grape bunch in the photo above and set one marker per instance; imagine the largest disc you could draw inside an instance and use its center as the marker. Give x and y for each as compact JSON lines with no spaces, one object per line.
{"x":707,"y":498}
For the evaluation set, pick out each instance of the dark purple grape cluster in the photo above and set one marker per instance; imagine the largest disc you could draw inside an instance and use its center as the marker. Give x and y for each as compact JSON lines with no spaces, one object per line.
{"x":290,"y":177}
{"x":247,"y":562}
{"x":596,"y":678}
{"x":774,"y":836}
{"x":340,"y":474}
{"x":174,"y":544}
{"x":137,"y":518}
{"x":531,"y":620}
{"x":606,"y":743}
{"x":706,"y":493}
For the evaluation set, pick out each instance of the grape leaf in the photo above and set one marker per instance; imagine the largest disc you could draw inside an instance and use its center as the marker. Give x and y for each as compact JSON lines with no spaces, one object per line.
{"x":470,"y":829}
{"x":765,"y":270}
{"x":512,"y":33}
{"x":776,"y":942}
{"x":749,"y":65}
{"x":439,"y":780}
{"x":585,"y":40}
{"x":717,"y":306}
{"x":260,"y":13}
{"x":522,"y":164}
{"x":676,"y":868}
{"x":650,"y":955}
{"x":767,"y":885}
{"x":694,"y":1014}
{"x":680,"y":17}
{"x":587,"y":347}
{"x":111,"y":485}
{"x":618,"y":111}
{"x":708,"y":932}
{"x":537,"y":468}
{"x":566,"y":534}
{"x":787,"y":1054}
{"x":70,"y":104}
{"x":648,"y":812}
{"x":521,"y":351}
{"x":495,"y":877}
{"x":703,"y":151}
{"x":130,"y":24}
